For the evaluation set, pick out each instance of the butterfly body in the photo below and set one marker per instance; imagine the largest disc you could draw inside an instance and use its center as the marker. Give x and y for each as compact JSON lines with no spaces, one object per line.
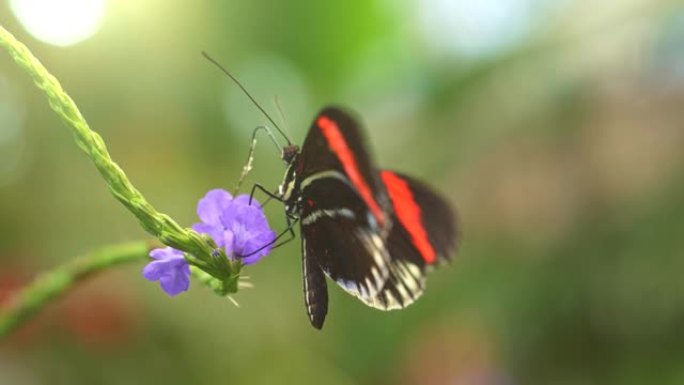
{"x":374,"y":232}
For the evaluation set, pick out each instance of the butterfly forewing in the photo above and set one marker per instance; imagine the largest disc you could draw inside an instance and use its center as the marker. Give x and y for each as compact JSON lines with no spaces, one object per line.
{"x":335,"y":144}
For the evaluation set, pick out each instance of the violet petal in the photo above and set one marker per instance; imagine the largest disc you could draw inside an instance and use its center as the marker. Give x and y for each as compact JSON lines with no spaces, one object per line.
{"x":210,"y":207}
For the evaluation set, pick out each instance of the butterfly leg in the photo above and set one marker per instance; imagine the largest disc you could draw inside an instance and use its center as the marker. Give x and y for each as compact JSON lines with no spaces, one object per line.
{"x":250,"y":156}
{"x":291,"y":222}
{"x":288,"y":230}
{"x":263,"y":189}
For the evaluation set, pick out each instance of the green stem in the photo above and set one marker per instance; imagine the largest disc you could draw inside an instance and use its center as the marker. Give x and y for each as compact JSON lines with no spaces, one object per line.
{"x":51,"y":285}
{"x":204,"y":253}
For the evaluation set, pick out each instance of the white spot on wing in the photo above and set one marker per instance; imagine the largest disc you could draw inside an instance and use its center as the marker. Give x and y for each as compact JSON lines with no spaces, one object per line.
{"x":323,"y":175}
{"x":376,"y":276}
{"x":363,"y":291}
{"x":318,"y":214}
{"x":380,"y":255}
{"x":406,"y":281}
{"x":413,"y":269}
{"x":406,"y":298}
{"x":371,"y":285}
{"x":392,"y":302}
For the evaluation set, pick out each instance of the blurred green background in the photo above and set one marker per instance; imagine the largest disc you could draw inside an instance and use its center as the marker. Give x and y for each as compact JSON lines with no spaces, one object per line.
{"x":555,"y":128}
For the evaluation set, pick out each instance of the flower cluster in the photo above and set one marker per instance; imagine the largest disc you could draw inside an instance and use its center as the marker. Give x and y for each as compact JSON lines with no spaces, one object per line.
{"x":235,"y":225}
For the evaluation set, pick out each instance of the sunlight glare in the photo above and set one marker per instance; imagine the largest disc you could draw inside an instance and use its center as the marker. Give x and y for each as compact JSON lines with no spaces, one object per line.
{"x":59,"y":22}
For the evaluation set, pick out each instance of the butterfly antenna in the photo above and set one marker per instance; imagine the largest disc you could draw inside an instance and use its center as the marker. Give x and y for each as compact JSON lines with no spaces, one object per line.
{"x":234,"y":79}
{"x":276,"y":100}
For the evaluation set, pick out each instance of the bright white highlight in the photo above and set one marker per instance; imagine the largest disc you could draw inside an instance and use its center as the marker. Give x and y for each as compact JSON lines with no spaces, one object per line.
{"x":59,"y":22}
{"x":475,"y":28}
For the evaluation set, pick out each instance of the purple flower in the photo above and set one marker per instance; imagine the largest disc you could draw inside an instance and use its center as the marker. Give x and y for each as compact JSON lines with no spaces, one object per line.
{"x":236,"y":226}
{"x":169,"y":268}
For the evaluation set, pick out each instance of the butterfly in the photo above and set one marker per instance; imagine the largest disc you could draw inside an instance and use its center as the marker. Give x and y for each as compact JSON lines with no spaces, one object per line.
{"x":374,"y":232}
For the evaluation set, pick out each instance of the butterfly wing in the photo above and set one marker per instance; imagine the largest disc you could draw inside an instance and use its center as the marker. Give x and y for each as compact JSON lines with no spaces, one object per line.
{"x":335,"y":147}
{"x":427,"y":218}
{"x":344,"y":211}
{"x":374,"y":233}
{"x":424,"y":234}
{"x":315,"y":288}
{"x":341,"y":239}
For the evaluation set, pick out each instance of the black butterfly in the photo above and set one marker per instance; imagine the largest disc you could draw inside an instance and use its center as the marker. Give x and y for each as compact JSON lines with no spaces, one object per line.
{"x":374,"y":232}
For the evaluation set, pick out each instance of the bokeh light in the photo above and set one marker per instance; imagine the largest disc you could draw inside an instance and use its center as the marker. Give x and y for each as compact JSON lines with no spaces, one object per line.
{"x":60,"y":23}
{"x":478,"y":28}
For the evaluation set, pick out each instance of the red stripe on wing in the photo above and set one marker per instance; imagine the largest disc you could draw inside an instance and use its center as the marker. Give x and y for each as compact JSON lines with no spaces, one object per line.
{"x":409,"y":214}
{"x":338,"y":145}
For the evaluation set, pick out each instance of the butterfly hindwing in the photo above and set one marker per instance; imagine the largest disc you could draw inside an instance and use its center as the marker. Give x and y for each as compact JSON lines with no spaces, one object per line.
{"x":422,"y":213}
{"x":423,"y":235}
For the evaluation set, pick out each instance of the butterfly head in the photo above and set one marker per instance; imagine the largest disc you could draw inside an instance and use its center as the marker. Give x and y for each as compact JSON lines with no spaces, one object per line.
{"x":290,"y":153}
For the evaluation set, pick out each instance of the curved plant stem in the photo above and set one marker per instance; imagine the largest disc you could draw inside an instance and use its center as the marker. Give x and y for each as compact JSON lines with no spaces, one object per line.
{"x":202,"y":251}
{"x":51,"y":285}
